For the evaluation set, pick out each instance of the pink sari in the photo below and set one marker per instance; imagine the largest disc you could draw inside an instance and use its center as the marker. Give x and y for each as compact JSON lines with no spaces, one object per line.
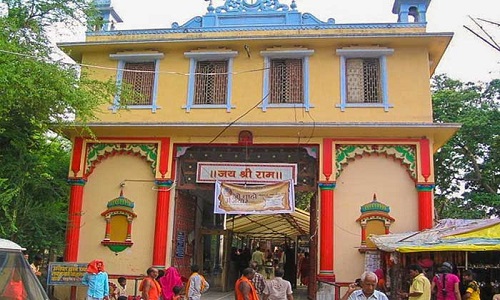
{"x":168,"y":281}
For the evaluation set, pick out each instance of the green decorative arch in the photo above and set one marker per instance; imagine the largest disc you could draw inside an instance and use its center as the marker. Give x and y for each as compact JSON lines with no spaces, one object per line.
{"x":406,"y":154}
{"x":98,"y":152}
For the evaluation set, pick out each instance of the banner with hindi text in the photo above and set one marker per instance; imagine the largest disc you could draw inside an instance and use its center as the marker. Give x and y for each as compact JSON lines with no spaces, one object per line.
{"x":271,"y":198}
{"x":258,"y":173}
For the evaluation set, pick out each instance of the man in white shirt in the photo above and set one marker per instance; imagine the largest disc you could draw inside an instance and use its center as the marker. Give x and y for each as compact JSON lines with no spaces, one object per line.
{"x":367,"y":292}
{"x":278,"y":288}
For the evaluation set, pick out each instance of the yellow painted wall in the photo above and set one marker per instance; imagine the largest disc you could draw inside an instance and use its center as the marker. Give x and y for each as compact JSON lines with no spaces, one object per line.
{"x":408,"y":77}
{"x":355,"y":187}
{"x":103,"y":186}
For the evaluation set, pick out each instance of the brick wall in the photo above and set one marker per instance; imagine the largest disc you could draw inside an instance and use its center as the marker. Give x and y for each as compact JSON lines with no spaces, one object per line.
{"x":184,"y":223}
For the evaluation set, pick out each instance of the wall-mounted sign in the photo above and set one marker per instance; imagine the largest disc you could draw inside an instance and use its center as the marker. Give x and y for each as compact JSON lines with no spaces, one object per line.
{"x":271,"y":198}
{"x":64,"y":273}
{"x":209,"y":172}
{"x":180,"y":244}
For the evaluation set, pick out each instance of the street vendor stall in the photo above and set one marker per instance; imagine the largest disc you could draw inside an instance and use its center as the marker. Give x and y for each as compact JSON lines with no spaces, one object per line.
{"x":467,"y":244}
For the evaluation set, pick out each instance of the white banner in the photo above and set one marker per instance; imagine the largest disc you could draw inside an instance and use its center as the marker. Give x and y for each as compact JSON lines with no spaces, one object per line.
{"x":238,"y":199}
{"x":208,"y":172}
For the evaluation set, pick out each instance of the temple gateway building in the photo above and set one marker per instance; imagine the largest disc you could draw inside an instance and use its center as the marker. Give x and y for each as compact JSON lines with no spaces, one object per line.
{"x":255,"y":124}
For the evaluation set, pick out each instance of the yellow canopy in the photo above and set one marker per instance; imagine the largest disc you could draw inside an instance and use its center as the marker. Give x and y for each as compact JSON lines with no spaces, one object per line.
{"x":447,"y":235}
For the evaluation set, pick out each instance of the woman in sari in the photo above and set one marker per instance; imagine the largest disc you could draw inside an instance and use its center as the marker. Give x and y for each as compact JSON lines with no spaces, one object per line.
{"x":171,"y":279}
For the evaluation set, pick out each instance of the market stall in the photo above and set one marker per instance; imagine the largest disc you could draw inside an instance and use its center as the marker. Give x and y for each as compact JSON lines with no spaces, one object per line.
{"x":467,"y":244}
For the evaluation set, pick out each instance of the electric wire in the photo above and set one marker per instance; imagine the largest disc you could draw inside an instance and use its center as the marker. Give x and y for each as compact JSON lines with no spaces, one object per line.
{"x":128,"y":70}
{"x":238,"y":118}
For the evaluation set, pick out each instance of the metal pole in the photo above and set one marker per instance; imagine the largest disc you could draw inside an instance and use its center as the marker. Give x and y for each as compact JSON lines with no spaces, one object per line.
{"x":466,"y":260}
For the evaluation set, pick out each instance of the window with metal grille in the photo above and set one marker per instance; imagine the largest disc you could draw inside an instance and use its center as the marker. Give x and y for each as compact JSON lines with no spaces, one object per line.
{"x":363,"y":80}
{"x":211,"y":82}
{"x":286,"y":81}
{"x":140,"y":77}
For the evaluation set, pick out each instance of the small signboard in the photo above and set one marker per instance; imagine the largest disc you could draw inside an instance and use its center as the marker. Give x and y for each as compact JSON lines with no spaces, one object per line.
{"x":66,"y":273}
{"x":251,"y":173}
{"x":180,"y":244}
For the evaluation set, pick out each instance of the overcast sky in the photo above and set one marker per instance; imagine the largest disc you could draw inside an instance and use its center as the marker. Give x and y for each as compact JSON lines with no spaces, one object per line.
{"x":467,"y":57}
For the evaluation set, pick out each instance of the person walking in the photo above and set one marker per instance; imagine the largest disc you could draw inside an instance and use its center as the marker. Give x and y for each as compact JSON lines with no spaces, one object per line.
{"x":445,"y":284}
{"x":244,"y":289}
{"x":258,"y":279}
{"x":196,"y":284}
{"x":278,"y":288}
{"x":368,"y":284}
{"x":150,"y":288}
{"x":304,"y":269}
{"x":420,"y":288}
{"x":97,"y":281}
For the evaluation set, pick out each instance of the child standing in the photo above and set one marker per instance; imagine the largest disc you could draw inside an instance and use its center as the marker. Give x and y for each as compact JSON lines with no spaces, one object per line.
{"x":177,"y":293}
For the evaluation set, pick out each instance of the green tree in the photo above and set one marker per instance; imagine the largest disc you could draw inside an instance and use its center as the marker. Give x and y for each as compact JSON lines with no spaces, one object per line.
{"x":39,"y":95}
{"x":467,"y":168}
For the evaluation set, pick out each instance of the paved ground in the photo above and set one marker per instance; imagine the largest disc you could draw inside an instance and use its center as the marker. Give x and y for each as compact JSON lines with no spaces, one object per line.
{"x":298,"y":294}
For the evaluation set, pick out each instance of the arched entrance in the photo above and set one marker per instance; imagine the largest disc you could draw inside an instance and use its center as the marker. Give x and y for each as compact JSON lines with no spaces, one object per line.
{"x":205,"y":238}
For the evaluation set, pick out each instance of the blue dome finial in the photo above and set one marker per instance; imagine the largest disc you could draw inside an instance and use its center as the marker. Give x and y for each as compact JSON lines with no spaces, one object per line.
{"x":210,"y":7}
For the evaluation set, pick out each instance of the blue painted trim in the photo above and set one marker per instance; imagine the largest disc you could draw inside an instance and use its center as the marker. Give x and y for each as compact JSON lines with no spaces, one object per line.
{"x":119,"y":78}
{"x":240,"y":13}
{"x":218,"y":106}
{"x":136,"y":57}
{"x":260,"y":6}
{"x":327,"y":185}
{"x":265,"y":85}
{"x":343,"y":84}
{"x":364,"y":105}
{"x":211,"y":55}
{"x":136,"y":107}
{"x":384,"y":82}
{"x":229,"y":87}
{"x":402,"y":9}
{"x":290,"y":105}
{"x":155,"y":86}
{"x":287,"y":54}
{"x":194,"y":57}
{"x":305,"y":75}
{"x":190,"y":94}
{"x":178,"y":29}
{"x":381,"y":54}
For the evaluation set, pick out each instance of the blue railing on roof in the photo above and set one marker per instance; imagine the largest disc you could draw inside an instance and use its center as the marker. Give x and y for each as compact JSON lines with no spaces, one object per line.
{"x":252,"y":14}
{"x":248,"y":15}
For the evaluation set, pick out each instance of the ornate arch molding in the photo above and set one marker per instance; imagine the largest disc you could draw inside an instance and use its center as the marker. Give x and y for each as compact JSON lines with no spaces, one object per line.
{"x":97,"y":152}
{"x":405,"y":154}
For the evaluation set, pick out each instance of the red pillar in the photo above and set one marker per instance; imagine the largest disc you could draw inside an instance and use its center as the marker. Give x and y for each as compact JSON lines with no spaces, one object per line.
{"x":425,"y":158}
{"x":363,"y":235}
{"x":161,"y":223}
{"x":108,"y":229}
{"x":326,"y":258}
{"x":425,"y":204}
{"x":74,"y":219}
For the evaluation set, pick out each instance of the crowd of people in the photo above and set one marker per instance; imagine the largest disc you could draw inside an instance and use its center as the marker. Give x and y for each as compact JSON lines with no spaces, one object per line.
{"x":165,"y":285}
{"x":295,"y":268}
{"x":255,"y":282}
{"x":444,"y":285}
{"x":172,"y":286}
